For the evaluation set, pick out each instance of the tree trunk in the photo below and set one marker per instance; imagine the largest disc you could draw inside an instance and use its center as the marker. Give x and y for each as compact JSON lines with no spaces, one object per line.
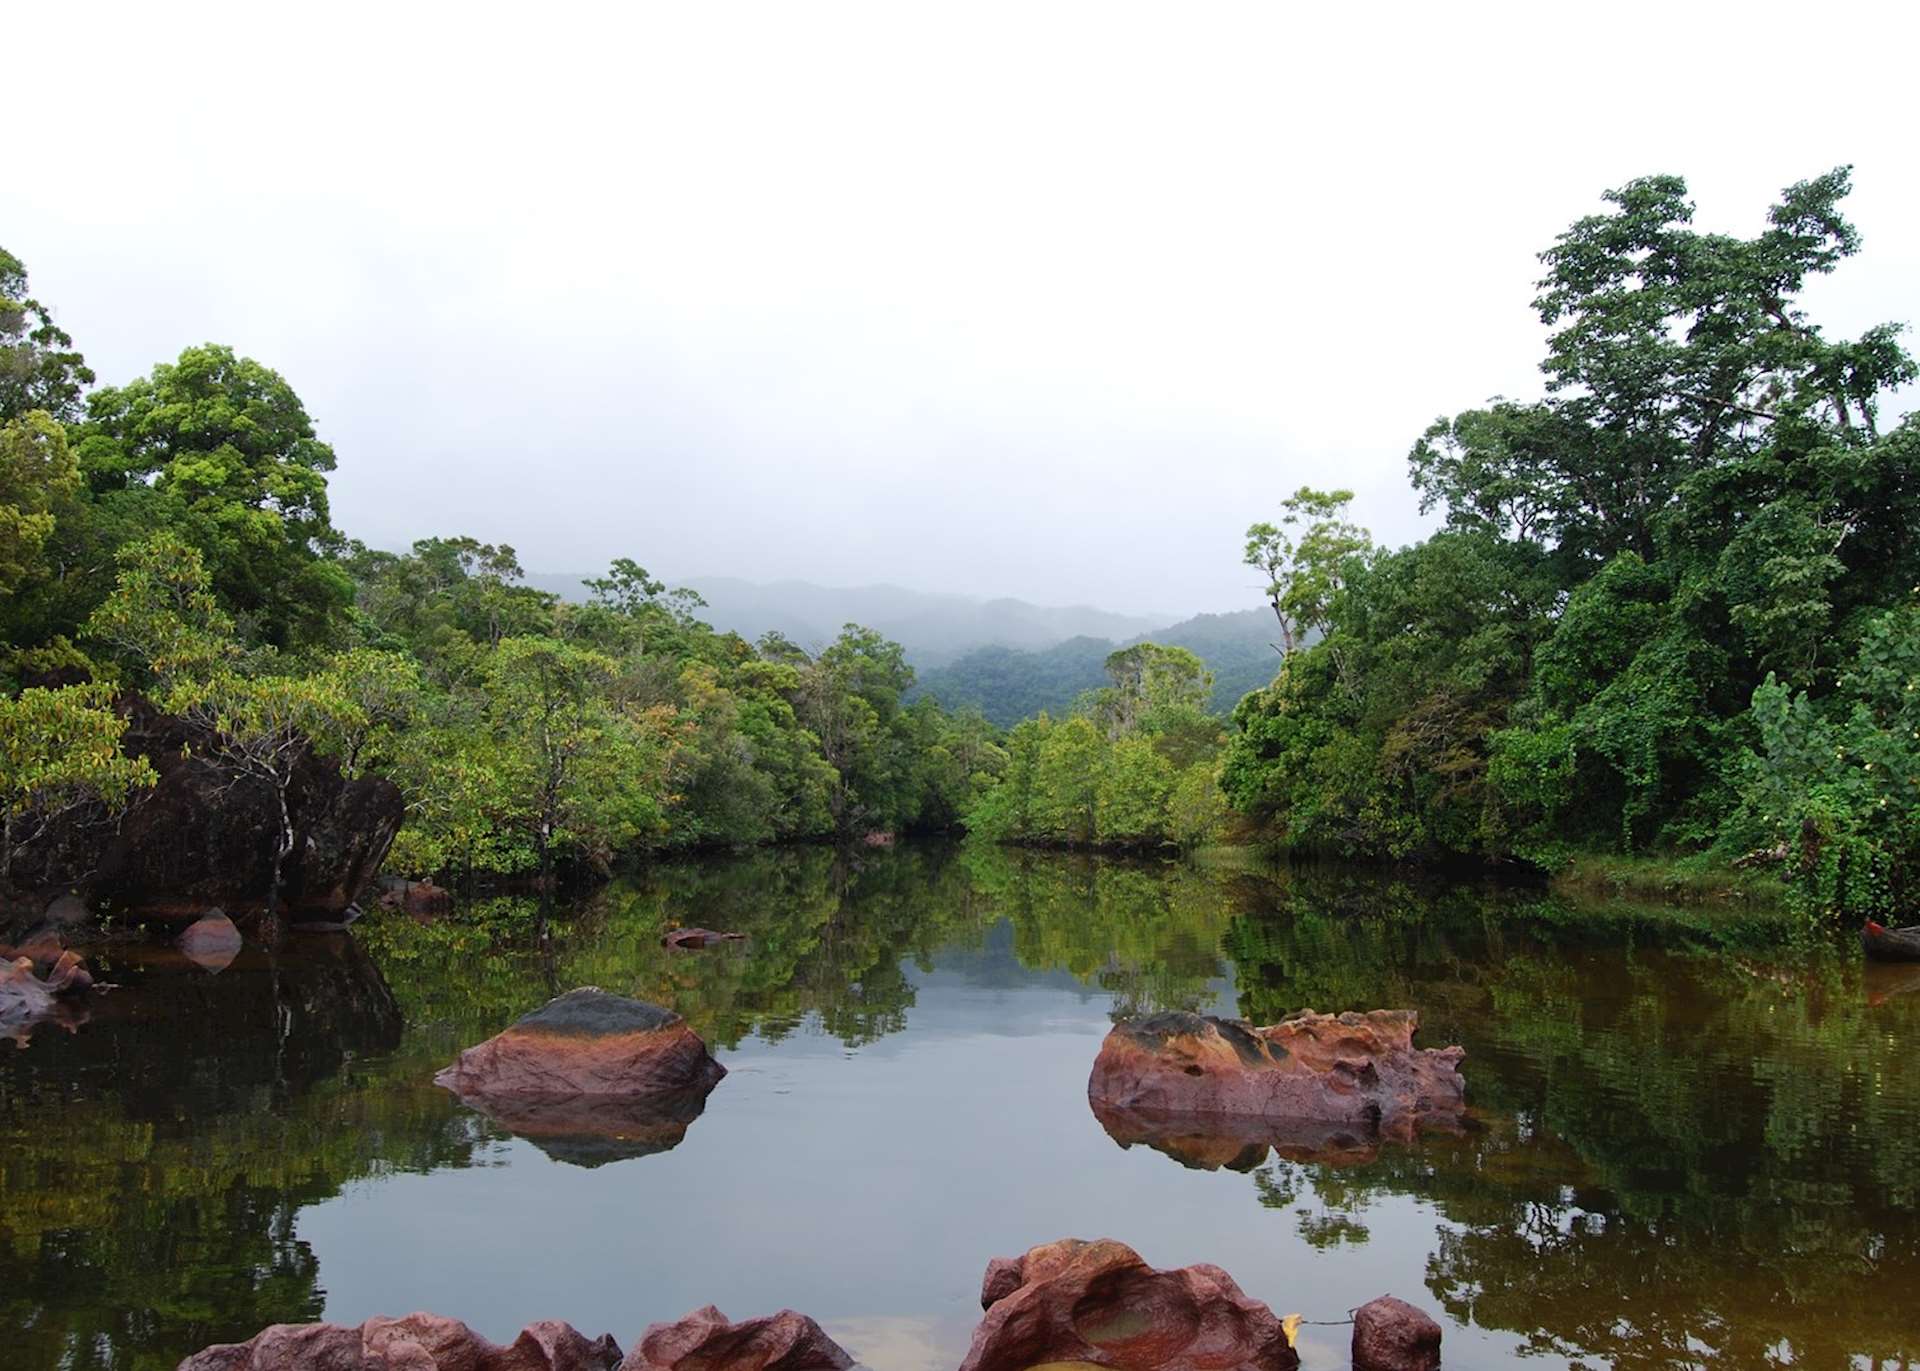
{"x":280,"y":852}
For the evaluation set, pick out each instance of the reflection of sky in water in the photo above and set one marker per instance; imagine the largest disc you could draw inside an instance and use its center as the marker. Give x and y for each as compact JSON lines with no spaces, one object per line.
{"x":867,"y":1188}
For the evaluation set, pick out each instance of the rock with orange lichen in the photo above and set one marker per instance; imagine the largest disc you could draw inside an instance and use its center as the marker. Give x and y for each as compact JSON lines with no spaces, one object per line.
{"x":1098,"y":1304}
{"x":1359,"y":1069}
{"x":590,"y":1077}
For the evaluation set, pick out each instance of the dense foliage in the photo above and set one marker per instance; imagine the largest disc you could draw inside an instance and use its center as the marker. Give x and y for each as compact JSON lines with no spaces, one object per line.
{"x":1132,"y":766}
{"x":173,"y":535}
{"x":1671,"y":609}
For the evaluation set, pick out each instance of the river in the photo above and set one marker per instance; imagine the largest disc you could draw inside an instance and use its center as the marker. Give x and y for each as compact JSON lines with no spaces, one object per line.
{"x":1686,"y":1148}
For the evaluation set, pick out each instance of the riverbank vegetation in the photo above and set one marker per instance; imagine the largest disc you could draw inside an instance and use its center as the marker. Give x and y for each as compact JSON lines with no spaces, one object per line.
{"x":1670,"y":625}
{"x":173,"y":537}
{"x":1673,"y":606}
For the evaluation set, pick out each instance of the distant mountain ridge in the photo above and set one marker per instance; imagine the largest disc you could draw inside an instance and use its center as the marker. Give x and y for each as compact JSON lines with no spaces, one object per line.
{"x":934,"y":628}
{"x":1009,"y":684}
{"x":1007,"y":658}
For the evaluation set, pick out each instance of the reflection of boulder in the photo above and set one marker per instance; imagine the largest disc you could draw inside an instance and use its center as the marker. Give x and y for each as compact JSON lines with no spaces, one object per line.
{"x":418,"y":1342}
{"x":705,"y":1341}
{"x":1391,"y":1335}
{"x":211,"y":941}
{"x":1099,"y":1304}
{"x":698,"y":937}
{"x":1344,"y":1068}
{"x":592,"y":1130}
{"x":590,"y":1077}
{"x":1883,"y":981}
{"x":1212,"y":1142}
{"x":169,"y":1037}
{"x":421,"y":898}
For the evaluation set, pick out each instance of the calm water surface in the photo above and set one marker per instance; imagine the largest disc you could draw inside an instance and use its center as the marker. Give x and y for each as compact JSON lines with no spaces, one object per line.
{"x":1681,"y":1153}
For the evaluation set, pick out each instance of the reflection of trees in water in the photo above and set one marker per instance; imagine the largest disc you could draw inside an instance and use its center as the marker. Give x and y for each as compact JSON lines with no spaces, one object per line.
{"x":154,"y":1162}
{"x":1682,"y":1158}
{"x":1148,"y":933}
{"x":828,"y":939}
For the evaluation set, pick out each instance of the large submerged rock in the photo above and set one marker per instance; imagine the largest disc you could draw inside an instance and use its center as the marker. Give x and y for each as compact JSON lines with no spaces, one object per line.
{"x":705,"y":1341}
{"x":1326,"y":1068}
{"x":1099,"y":1304}
{"x":418,"y":1342}
{"x":590,"y":1077}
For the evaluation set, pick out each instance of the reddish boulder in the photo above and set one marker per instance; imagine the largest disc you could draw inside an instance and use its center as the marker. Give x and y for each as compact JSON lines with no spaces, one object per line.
{"x":705,"y":1341}
{"x":211,"y":941}
{"x":418,"y":1342}
{"x":590,"y":1077}
{"x":698,"y":937}
{"x":26,"y":1000}
{"x":1099,"y":1304}
{"x":1328,"y":1068}
{"x":1391,"y":1335}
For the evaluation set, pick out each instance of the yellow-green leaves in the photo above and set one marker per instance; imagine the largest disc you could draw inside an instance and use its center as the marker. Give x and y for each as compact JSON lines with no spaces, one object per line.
{"x":38,"y":476}
{"x":60,"y":748}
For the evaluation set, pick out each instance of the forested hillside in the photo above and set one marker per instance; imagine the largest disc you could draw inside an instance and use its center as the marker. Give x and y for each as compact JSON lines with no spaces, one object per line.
{"x":1007,"y":684}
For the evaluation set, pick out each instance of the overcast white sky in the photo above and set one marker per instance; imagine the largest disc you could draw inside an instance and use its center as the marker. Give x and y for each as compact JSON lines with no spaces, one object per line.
{"x":1037,"y":300}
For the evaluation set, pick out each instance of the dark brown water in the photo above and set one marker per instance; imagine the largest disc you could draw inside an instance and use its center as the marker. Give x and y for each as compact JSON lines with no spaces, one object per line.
{"x":1686,"y":1150}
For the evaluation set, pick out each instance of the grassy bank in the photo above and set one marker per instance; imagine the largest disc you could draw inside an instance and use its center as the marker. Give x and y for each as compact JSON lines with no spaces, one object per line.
{"x":1692,"y":880}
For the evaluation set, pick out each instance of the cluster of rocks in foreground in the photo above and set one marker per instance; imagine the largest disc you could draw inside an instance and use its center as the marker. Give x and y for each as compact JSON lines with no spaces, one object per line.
{"x":1088,"y":1304}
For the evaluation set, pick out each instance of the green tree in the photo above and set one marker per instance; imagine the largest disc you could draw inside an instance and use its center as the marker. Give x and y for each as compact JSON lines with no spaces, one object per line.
{"x":162,"y":622}
{"x":1705,"y":497}
{"x":222,"y":451}
{"x":572,"y":772}
{"x":1304,"y":570}
{"x":1069,"y":772}
{"x":39,"y":369}
{"x":262,"y":730}
{"x":1131,"y":803}
{"x":39,"y":480}
{"x":61,"y":751}
{"x":1197,"y":812}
